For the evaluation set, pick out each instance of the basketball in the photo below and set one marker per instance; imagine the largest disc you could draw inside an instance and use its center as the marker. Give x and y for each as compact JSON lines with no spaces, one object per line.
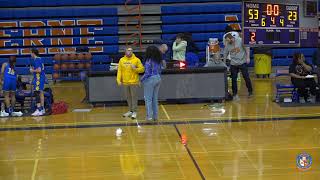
{"x":55,"y":75}
{"x":57,"y":57}
{"x":71,"y":66}
{"x":64,"y":57}
{"x":56,"y":67}
{"x":88,"y":65}
{"x":72,"y":56}
{"x":80,"y":66}
{"x":88,"y":56}
{"x":80,"y":56}
{"x":64,"y":66}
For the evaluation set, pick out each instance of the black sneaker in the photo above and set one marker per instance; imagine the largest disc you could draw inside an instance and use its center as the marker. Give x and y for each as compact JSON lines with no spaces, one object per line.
{"x":250,"y":94}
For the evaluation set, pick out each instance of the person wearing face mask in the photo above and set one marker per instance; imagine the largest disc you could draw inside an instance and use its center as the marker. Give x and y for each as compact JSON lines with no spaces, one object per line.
{"x":239,"y":58}
{"x":128,"y":76}
{"x":299,"y":71}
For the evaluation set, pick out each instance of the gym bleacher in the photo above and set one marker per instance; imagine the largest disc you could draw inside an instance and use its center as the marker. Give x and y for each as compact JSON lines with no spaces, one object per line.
{"x":202,"y":18}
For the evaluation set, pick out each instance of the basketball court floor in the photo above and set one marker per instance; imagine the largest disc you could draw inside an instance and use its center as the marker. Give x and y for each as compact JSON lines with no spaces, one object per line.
{"x":253,"y":139}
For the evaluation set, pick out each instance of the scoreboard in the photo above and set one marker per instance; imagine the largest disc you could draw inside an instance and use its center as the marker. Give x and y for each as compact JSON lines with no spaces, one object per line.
{"x":270,"y":24}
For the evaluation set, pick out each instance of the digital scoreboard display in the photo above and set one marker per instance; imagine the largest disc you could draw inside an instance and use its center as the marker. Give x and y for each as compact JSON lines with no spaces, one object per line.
{"x":270,"y":24}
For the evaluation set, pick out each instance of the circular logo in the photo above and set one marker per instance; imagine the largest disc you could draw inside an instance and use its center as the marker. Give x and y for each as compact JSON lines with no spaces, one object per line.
{"x":304,"y":161}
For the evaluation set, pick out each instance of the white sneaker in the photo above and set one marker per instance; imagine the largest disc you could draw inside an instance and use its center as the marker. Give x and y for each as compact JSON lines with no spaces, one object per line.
{"x":236,"y":98}
{"x":19,"y":113}
{"x":43,"y":111}
{"x":127,"y":114}
{"x":36,"y":113}
{"x":4,"y":114}
{"x":134,"y":115}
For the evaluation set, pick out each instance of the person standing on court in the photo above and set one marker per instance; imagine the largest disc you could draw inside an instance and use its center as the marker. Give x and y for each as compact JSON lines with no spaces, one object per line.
{"x":39,"y":78}
{"x":9,"y":79}
{"x":151,"y":81}
{"x":239,"y":58}
{"x":128,"y":76}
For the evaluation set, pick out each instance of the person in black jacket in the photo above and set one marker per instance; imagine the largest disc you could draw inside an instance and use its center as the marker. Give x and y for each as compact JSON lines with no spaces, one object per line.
{"x":300,"y":71}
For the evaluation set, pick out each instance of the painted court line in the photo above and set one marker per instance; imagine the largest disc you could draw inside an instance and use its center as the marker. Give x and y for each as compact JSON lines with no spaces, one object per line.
{"x":190,"y":154}
{"x":165,"y":112}
{"x":195,"y":121}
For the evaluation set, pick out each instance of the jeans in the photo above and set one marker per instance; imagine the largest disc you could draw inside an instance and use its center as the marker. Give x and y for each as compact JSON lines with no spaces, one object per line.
{"x":151,"y":90}
{"x":234,"y":75}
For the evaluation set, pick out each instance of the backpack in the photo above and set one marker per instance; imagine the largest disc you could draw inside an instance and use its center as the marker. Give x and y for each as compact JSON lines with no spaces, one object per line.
{"x":59,"y":107}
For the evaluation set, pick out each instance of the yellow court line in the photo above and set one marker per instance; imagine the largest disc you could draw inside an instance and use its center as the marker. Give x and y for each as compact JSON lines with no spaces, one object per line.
{"x":35,"y":167}
{"x":165,"y":112}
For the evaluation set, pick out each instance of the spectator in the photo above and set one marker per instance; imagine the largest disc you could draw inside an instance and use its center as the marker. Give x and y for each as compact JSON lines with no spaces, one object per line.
{"x":163,"y":48}
{"x":179,"y":48}
{"x":128,"y":75}
{"x":299,"y":69}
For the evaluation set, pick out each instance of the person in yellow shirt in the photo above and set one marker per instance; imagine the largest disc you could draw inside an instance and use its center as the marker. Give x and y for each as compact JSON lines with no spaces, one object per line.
{"x":129,"y":68}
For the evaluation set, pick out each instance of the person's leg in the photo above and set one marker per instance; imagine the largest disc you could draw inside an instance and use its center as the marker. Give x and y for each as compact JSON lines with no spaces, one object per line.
{"x":134,"y":97}
{"x":13,"y":99}
{"x":302,"y":91}
{"x":246,"y":77}
{"x":155,"y":97}
{"x":314,"y":88}
{"x":234,"y":75}
{"x":7,"y":101}
{"x":148,"y":92}
{"x":134,"y":100}
{"x":128,"y":98}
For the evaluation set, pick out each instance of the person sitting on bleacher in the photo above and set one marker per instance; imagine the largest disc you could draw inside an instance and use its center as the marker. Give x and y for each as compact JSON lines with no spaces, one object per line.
{"x":299,"y":71}
{"x":9,"y":78}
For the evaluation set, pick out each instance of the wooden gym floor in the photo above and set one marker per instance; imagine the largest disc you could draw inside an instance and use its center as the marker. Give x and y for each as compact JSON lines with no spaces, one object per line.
{"x":254,"y":139}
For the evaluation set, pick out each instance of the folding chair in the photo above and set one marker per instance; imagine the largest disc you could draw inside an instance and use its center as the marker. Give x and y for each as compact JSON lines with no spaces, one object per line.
{"x":285,"y":89}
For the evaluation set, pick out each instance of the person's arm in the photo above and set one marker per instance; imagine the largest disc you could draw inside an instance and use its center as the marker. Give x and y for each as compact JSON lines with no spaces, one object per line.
{"x":147,"y":72}
{"x":307,"y":67}
{"x":36,"y":70}
{"x":225,"y":54}
{"x":178,"y":47}
{"x":119,"y":72}
{"x":297,"y":76}
{"x":2,"y":72}
{"x":247,"y":50}
{"x":139,"y":68}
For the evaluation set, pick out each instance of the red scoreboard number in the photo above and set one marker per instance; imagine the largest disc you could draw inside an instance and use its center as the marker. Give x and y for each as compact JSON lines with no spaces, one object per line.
{"x":272,"y":10}
{"x":252,"y":36}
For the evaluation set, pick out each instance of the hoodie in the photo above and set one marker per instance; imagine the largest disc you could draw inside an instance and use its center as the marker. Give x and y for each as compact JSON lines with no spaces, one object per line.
{"x":127,"y":75}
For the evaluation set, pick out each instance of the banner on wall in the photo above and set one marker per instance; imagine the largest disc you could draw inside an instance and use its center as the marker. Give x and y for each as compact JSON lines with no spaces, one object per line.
{"x":53,"y":36}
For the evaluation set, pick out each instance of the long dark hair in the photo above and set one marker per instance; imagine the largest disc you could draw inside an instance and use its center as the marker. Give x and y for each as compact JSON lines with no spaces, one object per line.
{"x":12,"y":61}
{"x":153,"y":54}
{"x":296,"y":57}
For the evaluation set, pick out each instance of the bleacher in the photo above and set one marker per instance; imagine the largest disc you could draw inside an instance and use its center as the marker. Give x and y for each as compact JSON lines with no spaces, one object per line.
{"x":202,"y":18}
